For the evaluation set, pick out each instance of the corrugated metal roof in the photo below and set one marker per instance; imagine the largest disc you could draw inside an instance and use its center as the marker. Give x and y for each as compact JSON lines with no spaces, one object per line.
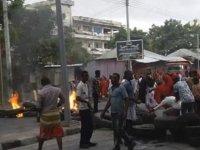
{"x":183,"y":53}
{"x":109,"y":55}
{"x":113,"y":54}
{"x":147,"y":60}
{"x":149,"y":57}
{"x":175,"y":59}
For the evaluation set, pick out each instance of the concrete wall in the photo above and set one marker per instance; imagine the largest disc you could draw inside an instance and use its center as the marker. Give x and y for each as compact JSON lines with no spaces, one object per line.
{"x":107,"y":67}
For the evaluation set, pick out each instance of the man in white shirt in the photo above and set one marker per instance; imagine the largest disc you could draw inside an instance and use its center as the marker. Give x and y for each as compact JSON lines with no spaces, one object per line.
{"x":85,"y":112}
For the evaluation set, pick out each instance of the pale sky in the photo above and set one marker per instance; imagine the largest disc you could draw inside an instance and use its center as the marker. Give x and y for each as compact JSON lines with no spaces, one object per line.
{"x":142,"y":13}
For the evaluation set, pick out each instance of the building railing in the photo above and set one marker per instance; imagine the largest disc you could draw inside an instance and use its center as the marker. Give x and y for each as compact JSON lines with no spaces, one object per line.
{"x":104,"y":38}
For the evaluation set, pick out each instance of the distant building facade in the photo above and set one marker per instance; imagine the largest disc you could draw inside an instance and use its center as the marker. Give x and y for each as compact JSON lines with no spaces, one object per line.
{"x":92,"y":33}
{"x":65,"y":6}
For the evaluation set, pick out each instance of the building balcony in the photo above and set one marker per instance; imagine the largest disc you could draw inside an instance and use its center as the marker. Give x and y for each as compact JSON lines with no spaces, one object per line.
{"x":68,"y":2}
{"x":93,"y":37}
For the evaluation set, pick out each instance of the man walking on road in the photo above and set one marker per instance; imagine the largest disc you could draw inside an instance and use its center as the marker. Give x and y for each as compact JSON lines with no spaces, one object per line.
{"x":131,"y":112}
{"x":50,"y":125}
{"x":85,"y":111}
{"x":118,"y":99}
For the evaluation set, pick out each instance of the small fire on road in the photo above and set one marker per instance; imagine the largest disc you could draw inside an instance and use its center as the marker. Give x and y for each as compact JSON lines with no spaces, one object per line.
{"x":14,"y":101}
{"x":73,"y":102}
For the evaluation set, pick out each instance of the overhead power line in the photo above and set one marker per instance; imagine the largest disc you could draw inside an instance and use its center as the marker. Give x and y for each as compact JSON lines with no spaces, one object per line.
{"x":152,"y":8}
{"x":138,"y":4}
{"x":112,"y":8}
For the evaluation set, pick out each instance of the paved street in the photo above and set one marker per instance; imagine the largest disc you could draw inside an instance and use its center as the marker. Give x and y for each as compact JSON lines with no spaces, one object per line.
{"x":10,"y":128}
{"x":13,"y":128}
{"x":22,"y":127}
{"x":105,"y":142}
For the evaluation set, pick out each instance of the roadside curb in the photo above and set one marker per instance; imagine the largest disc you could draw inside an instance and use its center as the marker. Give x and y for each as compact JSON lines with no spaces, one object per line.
{"x":72,"y":129}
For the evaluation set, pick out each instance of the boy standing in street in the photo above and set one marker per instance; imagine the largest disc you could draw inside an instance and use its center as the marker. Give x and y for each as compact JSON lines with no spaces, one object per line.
{"x":118,"y":99}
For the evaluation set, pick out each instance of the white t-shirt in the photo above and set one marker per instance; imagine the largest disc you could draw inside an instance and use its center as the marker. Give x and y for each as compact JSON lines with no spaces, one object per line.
{"x":82,"y":92}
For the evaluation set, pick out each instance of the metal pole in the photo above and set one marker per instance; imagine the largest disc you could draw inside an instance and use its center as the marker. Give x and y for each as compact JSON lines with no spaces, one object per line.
{"x":198,"y":49}
{"x":2,"y":97}
{"x":127,"y":20}
{"x":7,"y":47}
{"x":64,"y":78}
{"x":129,"y":63}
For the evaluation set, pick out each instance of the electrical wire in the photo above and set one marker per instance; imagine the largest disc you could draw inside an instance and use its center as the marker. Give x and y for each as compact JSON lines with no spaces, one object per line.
{"x":115,"y":1}
{"x":111,"y":12}
{"x":109,"y":9}
{"x":139,"y":4}
{"x":115,"y":7}
{"x":151,"y":9}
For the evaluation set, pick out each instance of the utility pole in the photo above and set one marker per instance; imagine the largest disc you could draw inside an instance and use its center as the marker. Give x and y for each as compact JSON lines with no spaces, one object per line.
{"x":127,"y":20}
{"x":198,"y":50}
{"x":64,"y":75}
{"x":7,"y":47}
{"x":129,"y":63}
{"x":1,"y":69}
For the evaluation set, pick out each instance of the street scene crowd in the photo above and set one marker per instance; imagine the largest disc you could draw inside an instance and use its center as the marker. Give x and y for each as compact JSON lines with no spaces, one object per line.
{"x":177,"y":93}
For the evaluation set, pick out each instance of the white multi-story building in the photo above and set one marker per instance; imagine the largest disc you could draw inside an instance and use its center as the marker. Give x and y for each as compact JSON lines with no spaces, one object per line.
{"x":94,"y":33}
{"x":65,"y":6}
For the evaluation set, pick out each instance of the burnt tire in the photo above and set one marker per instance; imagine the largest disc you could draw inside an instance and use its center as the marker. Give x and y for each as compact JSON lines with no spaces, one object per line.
{"x":102,"y":123}
{"x":191,"y":131}
{"x":147,"y":130}
{"x":165,"y":122}
{"x":194,"y":141}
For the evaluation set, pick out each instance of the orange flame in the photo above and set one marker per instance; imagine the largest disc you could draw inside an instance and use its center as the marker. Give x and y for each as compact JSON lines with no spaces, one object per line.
{"x":72,"y":101}
{"x":14,"y":101}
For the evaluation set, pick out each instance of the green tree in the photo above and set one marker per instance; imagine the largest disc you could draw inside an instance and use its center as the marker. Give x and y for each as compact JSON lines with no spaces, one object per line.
{"x":48,"y":51}
{"x":167,"y":37}
{"x":29,"y":28}
{"x":122,"y":36}
{"x":140,"y":34}
{"x":173,"y":35}
{"x":154,"y":37}
{"x":191,"y":29}
{"x":1,"y":12}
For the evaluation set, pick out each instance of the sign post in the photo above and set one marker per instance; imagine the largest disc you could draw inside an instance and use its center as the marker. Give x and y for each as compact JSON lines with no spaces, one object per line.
{"x":130,"y":50}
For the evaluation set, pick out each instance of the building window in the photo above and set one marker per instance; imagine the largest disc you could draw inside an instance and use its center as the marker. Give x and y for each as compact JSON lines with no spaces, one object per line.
{"x":88,"y":44}
{"x":87,"y":28}
{"x":106,"y":46}
{"x":107,"y":31}
{"x":97,"y":29}
{"x":63,"y":16}
{"x":98,"y":45}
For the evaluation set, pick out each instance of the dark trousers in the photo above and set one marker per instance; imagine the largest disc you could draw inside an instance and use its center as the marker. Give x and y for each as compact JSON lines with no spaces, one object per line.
{"x":86,"y":126}
{"x":95,"y":99}
{"x":118,"y":130}
{"x":197,"y":107}
{"x":187,"y":107}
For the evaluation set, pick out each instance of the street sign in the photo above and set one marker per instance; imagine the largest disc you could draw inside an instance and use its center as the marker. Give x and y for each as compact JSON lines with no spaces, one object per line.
{"x":130,"y":50}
